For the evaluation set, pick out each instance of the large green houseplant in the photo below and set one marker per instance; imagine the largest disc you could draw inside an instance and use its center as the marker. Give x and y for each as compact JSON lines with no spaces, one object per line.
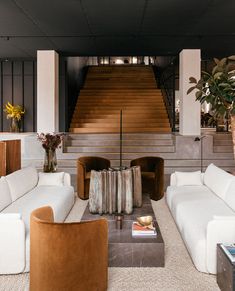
{"x":218,"y":89}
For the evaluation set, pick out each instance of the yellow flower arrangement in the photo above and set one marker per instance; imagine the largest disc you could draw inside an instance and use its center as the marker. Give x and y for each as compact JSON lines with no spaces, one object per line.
{"x":12,"y":111}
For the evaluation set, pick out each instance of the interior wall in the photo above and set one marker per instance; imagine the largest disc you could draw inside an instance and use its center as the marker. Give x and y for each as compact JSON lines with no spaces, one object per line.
{"x":18,"y":86}
{"x":76,"y":72}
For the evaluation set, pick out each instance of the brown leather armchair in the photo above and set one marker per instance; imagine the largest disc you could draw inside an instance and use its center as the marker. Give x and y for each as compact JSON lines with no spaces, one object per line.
{"x":67,"y":256}
{"x":84,"y":167}
{"x":152,"y":174}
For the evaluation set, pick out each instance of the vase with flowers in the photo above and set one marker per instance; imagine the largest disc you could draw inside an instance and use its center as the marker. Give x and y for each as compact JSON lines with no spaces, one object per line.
{"x":50,"y":142}
{"x":14,"y":113}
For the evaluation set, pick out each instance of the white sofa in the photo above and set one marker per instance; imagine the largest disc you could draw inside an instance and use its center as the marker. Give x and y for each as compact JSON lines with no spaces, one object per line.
{"x":20,"y":193}
{"x":204,"y":211}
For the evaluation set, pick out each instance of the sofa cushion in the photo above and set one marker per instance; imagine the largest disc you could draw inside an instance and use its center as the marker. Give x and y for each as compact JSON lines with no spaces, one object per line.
{"x":217,"y":180}
{"x":188,"y":178}
{"x":51,"y":179}
{"x":5,"y":198}
{"x":22,"y":181}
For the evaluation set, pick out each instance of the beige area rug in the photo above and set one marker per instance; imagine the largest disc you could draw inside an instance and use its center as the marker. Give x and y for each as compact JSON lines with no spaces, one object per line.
{"x":179,"y":273}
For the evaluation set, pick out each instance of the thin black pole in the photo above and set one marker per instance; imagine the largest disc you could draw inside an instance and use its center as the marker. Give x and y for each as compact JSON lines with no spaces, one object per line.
{"x":121,"y":139}
{"x":201,"y":153}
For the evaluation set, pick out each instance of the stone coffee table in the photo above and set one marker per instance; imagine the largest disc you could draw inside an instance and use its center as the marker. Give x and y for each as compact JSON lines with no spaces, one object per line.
{"x":128,"y":251}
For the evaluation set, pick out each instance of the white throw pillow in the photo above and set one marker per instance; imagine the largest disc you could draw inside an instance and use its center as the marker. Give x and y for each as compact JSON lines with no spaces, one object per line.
{"x":22,"y":181}
{"x":51,"y":179}
{"x":188,"y":178}
{"x":217,"y":180}
{"x":5,"y":195}
{"x":10,"y":216}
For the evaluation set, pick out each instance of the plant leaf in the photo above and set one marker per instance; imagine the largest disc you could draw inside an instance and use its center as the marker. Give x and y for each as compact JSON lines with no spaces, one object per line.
{"x":198,"y":95}
{"x":224,"y":85}
{"x":192,"y":80}
{"x":222,"y":62}
{"x":232,"y":58}
{"x":218,"y":75}
{"x":191,"y":89}
{"x":216,"y":61}
{"x":214,"y":70}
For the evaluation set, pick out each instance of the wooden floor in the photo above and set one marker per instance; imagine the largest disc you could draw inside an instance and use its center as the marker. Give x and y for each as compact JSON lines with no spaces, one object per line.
{"x":107,"y":90}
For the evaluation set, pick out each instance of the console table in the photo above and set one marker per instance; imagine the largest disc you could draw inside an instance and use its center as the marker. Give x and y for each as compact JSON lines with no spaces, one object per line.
{"x":115,"y":190}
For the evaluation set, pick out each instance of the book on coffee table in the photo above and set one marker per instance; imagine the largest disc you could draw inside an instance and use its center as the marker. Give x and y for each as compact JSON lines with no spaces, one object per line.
{"x":139,"y":230}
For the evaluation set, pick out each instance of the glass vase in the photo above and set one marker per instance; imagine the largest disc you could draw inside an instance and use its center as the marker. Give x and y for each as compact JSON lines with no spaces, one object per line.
{"x":50,"y":161}
{"x":15,"y":125}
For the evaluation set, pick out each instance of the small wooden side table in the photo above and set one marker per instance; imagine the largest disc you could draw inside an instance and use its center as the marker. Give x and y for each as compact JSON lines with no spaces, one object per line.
{"x":225,"y":271}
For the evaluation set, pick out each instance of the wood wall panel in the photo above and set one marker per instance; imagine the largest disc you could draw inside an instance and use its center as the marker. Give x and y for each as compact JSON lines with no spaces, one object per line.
{"x":18,"y":85}
{"x":2,"y":159}
{"x":10,"y":156}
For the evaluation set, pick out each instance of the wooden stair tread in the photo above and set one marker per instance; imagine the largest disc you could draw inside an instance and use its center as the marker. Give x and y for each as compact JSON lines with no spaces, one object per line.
{"x":107,"y":90}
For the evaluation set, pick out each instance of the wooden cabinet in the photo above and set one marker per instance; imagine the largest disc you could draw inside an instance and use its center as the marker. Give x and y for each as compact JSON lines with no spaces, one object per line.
{"x":225,"y":271}
{"x":10,"y":156}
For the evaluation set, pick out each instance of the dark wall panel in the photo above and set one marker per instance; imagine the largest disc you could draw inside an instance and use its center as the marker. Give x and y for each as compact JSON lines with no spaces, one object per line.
{"x":63,"y":98}
{"x":17,"y":89}
{"x":1,"y":101}
{"x":76,"y":74}
{"x":7,"y":97}
{"x":28,"y":103}
{"x":18,"y":86}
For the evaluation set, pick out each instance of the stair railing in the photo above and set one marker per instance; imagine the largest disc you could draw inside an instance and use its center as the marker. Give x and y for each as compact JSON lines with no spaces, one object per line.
{"x":166,"y":82}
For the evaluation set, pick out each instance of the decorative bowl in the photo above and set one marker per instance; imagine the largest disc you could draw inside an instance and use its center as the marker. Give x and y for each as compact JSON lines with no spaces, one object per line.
{"x":145,"y":220}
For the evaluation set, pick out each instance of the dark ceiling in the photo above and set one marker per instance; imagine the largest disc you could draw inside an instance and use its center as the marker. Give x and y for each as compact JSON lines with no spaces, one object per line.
{"x":116,"y":27}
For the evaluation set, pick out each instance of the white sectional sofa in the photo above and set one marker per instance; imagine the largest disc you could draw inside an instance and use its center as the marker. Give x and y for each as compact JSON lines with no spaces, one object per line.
{"x":20,"y":193}
{"x":203,"y":207}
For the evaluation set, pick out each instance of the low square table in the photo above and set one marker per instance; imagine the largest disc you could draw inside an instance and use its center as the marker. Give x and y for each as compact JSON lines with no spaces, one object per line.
{"x":128,"y":251}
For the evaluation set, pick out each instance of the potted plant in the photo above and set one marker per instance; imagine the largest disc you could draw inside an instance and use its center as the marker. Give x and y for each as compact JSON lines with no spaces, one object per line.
{"x":218,"y":89}
{"x":50,"y":142}
{"x":15,"y":113}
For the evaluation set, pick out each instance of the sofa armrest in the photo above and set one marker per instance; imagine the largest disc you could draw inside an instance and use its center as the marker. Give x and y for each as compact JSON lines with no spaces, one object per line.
{"x":173,"y":181}
{"x":12,"y":246}
{"x":221,"y":229}
{"x":67,"y":179}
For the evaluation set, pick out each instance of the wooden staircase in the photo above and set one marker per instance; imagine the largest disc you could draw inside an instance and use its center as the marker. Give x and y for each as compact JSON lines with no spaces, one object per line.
{"x":107,"y":90}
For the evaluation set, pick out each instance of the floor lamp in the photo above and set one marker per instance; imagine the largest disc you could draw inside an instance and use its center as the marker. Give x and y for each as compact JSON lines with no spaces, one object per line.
{"x":200,"y":138}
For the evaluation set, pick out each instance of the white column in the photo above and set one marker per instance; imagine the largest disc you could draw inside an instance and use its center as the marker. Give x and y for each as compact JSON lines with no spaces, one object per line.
{"x":47,"y":91}
{"x":190,"y":110}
